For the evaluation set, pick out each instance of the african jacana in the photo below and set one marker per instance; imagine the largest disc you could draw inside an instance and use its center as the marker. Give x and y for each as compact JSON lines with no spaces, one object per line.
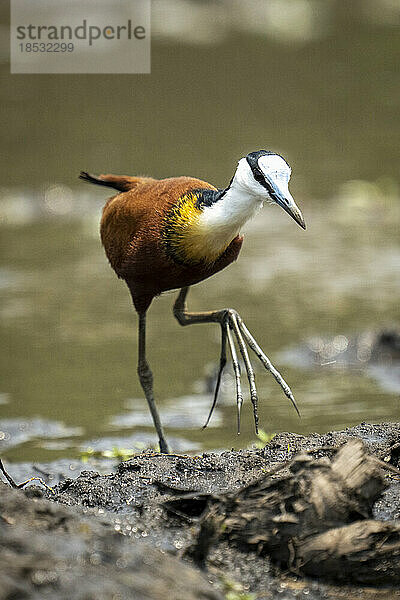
{"x":172,"y":233}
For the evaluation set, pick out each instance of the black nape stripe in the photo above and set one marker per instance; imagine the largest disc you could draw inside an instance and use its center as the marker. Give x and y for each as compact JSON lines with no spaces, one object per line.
{"x":206,"y":197}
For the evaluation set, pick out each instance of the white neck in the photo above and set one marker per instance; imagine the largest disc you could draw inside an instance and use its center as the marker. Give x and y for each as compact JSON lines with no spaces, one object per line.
{"x":221,"y":222}
{"x":231,"y":212}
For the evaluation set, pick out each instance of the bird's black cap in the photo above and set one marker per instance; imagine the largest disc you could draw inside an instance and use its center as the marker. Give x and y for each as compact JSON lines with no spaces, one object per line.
{"x":252,"y":157}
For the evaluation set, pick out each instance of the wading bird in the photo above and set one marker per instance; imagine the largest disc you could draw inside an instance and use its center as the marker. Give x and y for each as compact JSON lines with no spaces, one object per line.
{"x":171,"y":233}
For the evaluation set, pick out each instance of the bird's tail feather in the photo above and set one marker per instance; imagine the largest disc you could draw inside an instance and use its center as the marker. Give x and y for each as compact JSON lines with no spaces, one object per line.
{"x":122,"y":183}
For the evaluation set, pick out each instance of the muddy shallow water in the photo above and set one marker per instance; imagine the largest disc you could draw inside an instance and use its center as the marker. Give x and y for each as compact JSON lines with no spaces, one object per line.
{"x":69,"y":377}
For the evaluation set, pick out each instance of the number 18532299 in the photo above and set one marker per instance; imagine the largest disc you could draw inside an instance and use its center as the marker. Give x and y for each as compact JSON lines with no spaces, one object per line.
{"x":46,"y":47}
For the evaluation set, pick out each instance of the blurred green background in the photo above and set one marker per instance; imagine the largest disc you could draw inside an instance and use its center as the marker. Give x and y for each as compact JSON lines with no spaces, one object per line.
{"x":318,"y":81}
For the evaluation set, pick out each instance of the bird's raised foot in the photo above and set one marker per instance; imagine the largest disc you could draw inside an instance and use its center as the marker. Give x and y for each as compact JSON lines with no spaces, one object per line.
{"x":233,"y":329}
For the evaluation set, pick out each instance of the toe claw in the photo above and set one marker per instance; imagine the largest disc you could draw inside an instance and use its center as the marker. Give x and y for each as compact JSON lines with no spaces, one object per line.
{"x":239,"y":410}
{"x":267,"y":363}
{"x":222,"y":363}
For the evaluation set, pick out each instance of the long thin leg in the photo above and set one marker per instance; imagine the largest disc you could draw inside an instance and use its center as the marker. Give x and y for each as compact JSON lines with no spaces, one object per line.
{"x":188,"y":318}
{"x":146,"y":381}
{"x":232,"y":321}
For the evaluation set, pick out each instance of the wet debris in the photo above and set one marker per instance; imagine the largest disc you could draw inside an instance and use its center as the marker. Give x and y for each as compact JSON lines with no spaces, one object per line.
{"x":312,"y":517}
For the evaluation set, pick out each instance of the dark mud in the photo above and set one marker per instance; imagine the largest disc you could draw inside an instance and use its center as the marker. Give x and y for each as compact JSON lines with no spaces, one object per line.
{"x":112,"y":536}
{"x":50,"y":551}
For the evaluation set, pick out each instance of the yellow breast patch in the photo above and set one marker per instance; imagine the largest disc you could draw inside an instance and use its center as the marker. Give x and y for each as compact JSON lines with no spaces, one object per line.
{"x":184,"y":236}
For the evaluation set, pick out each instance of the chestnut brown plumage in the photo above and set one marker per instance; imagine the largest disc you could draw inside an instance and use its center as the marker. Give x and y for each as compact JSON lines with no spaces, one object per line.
{"x":130,"y":233}
{"x":166,"y":234}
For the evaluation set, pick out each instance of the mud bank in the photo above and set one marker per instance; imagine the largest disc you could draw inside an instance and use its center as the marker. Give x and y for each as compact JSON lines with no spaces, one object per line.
{"x":178,"y":527}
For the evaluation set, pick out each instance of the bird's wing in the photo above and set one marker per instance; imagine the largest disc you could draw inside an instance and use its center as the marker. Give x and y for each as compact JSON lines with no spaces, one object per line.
{"x":132,"y":222}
